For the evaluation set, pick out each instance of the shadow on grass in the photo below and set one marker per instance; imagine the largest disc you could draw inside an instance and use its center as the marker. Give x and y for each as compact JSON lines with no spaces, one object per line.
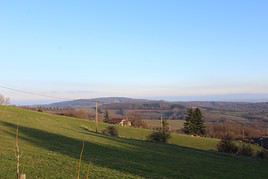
{"x":140,"y":158}
{"x":146,"y":145}
{"x":136,"y":162}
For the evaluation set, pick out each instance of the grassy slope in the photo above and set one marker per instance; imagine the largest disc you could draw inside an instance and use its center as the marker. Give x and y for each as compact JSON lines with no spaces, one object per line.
{"x":51,"y":145}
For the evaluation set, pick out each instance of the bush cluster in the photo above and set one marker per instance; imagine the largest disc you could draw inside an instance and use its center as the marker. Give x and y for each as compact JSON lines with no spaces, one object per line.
{"x":111,"y":131}
{"x":162,"y":134}
{"x":246,"y":150}
{"x":226,"y":145}
{"x":159,"y":136}
{"x":263,"y":154}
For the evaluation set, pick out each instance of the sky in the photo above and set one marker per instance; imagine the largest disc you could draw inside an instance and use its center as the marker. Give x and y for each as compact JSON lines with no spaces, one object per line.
{"x":157,"y":49}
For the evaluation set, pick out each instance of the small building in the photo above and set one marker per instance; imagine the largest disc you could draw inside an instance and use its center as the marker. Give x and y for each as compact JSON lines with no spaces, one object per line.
{"x":116,"y":120}
{"x":125,"y":122}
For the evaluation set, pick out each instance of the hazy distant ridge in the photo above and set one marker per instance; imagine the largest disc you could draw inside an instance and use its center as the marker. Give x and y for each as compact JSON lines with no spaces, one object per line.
{"x":123,"y":101}
{"x":92,"y":102}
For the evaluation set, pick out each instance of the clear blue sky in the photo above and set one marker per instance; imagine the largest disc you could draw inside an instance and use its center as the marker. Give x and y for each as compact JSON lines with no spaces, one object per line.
{"x":146,"y":48}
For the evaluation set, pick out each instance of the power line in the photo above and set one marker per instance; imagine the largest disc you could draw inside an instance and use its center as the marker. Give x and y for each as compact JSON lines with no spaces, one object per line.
{"x":31,"y":93}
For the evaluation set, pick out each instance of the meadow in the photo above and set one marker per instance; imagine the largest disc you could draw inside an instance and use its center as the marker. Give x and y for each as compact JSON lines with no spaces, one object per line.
{"x":51,"y":146}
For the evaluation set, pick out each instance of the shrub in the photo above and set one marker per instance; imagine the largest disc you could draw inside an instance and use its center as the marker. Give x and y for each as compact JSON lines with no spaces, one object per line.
{"x":159,"y":136}
{"x":162,"y":134}
{"x":245,"y":149}
{"x":39,"y":110}
{"x":227,"y":145}
{"x":77,"y":113}
{"x":111,"y":131}
{"x":263,"y":154}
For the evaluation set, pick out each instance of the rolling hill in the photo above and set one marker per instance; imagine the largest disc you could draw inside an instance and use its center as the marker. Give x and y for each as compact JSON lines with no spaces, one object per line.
{"x":92,"y":102}
{"x":51,"y":147}
{"x":124,"y":102}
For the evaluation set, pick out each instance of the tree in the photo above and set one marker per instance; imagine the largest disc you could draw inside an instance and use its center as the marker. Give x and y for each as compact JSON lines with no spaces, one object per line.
{"x":194,"y":123}
{"x":106,"y":117}
{"x":164,"y":126}
{"x":3,"y":100}
{"x":136,"y":120}
{"x":199,"y":122}
{"x":121,"y":112}
{"x":227,"y":145}
{"x":188,"y":125}
{"x":111,"y":131}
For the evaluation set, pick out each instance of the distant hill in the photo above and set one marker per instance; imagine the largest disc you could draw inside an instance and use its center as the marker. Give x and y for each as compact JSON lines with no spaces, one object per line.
{"x":92,"y":102}
{"x":131,"y":103}
{"x":229,"y":106}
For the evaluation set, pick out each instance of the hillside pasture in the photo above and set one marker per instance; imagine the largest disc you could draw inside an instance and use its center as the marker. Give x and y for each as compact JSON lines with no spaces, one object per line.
{"x":51,"y":146}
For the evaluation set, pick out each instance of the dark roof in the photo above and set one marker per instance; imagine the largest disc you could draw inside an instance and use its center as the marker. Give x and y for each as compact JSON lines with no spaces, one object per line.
{"x":116,"y":120}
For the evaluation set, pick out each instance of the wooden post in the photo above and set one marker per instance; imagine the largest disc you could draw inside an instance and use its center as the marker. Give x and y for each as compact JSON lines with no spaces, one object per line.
{"x":162,"y":122}
{"x":22,"y":176}
{"x":17,"y":153}
{"x":97,"y":117}
{"x":243,"y":131}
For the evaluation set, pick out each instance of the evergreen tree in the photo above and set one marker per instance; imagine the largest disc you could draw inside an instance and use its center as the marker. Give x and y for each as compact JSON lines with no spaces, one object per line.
{"x":199,"y":122}
{"x":106,"y":117}
{"x":188,"y":126}
{"x":194,"y":123}
{"x":165,"y":126}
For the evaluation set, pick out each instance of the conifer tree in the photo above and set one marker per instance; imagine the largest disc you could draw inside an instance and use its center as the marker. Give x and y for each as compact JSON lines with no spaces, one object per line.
{"x":106,"y":117}
{"x":194,"y":123}
{"x":199,"y":122}
{"x":188,"y":122}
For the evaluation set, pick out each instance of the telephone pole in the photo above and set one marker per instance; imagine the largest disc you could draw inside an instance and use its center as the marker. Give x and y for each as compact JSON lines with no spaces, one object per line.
{"x":162,"y":122}
{"x":97,"y":117}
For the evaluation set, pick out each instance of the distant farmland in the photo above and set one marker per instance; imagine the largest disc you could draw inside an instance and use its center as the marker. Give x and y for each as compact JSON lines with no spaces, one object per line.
{"x":173,"y":124}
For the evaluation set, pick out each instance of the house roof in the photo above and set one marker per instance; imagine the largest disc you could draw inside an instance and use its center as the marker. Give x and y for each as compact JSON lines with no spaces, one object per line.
{"x":116,"y":120}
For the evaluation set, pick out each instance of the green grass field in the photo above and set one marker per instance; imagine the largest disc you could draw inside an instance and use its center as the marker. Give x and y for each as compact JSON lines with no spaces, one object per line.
{"x":51,"y":146}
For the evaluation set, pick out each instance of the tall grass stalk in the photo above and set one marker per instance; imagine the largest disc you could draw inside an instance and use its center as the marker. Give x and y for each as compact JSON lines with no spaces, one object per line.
{"x":80,"y":159}
{"x":87,"y":176}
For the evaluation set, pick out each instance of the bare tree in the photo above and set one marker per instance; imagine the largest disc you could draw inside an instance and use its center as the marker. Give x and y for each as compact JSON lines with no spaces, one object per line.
{"x":4,"y":100}
{"x":136,"y":120}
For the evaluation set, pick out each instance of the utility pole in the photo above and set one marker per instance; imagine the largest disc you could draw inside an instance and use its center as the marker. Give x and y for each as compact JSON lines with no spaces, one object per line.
{"x":97,"y":117}
{"x":162,"y":122}
{"x":243,"y":133}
